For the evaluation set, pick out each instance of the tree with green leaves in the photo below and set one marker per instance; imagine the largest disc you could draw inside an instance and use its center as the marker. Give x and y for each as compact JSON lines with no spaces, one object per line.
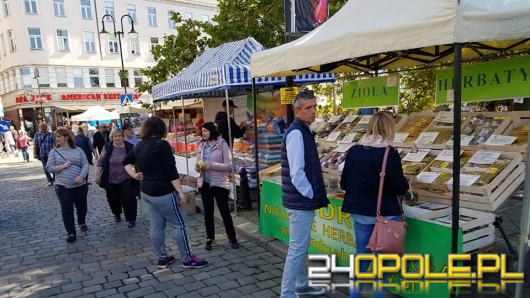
{"x":418,"y":88}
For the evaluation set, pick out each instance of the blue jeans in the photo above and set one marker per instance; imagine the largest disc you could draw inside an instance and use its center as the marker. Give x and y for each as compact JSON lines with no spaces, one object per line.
{"x":295,"y":270}
{"x":25,"y":154}
{"x":50,"y":177}
{"x":363,"y":232}
{"x":164,"y":210}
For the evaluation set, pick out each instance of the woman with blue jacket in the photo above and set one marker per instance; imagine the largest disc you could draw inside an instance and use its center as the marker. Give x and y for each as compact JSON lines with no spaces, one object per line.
{"x":360,"y":180}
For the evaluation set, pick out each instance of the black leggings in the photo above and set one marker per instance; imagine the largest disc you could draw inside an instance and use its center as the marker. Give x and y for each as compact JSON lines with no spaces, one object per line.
{"x":123,"y":196}
{"x":221,"y":196}
{"x":70,"y":197}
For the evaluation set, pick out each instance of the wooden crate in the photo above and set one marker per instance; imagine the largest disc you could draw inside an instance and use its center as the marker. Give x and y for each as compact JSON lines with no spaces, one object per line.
{"x":405,"y":123}
{"x":487,"y":198}
{"x":514,"y":121}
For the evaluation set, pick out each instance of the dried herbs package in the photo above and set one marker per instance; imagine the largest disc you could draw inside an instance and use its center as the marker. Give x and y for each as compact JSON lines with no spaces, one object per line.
{"x":481,"y":128}
{"x":521,"y":133}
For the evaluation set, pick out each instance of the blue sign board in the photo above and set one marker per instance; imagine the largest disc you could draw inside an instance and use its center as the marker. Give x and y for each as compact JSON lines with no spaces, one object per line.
{"x":126,"y":97}
{"x":4,"y":126}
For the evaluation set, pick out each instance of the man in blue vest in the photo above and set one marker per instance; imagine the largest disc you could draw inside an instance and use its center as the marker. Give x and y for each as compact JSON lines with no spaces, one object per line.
{"x":303,"y":192}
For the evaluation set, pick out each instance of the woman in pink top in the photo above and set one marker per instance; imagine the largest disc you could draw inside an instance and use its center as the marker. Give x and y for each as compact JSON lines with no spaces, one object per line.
{"x":23,"y":145}
{"x":214,"y":164}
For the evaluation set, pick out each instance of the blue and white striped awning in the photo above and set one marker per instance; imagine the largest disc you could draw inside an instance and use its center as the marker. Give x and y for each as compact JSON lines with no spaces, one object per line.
{"x":226,"y":67}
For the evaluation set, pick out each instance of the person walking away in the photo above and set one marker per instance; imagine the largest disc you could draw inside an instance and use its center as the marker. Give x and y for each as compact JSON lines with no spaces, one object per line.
{"x":360,"y":180}
{"x":101,"y":137}
{"x":83,"y":142}
{"x":129,"y":134}
{"x":213,"y":155}
{"x":221,"y":120}
{"x":10,"y":142}
{"x":111,"y":175}
{"x":303,"y":193}
{"x":152,"y":163}
{"x":70,"y":166}
{"x":42,"y":145}
{"x":23,"y":145}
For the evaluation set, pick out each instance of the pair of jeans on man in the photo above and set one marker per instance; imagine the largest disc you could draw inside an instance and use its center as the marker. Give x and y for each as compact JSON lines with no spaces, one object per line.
{"x":49,"y":176}
{"x":167,"y":209}
{"x":70,"y":197}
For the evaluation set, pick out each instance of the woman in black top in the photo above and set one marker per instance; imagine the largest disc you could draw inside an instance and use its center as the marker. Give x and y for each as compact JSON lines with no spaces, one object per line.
{"x":360,"y":180}
{"x":152,"y":163}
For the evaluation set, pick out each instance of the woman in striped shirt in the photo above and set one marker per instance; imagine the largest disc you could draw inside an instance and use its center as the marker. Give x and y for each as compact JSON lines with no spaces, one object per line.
{"x":70,"y":165}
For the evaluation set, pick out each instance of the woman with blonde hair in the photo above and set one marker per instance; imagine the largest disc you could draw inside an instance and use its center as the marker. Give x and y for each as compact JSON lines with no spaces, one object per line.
{"x":360,"y":180}
{"x":70,"y":166}
{"x":23,"y":145}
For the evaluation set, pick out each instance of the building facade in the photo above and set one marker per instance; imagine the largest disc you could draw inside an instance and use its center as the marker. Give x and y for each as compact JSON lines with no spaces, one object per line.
{"x":53,"y":61}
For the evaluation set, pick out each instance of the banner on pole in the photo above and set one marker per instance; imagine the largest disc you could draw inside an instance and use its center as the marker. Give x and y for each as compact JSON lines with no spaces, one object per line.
{"x":497,"y":80}
{"x":369,"y":93}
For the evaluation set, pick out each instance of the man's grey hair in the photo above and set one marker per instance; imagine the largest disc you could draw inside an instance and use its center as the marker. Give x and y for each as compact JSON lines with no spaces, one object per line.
{"x":301,"y":96}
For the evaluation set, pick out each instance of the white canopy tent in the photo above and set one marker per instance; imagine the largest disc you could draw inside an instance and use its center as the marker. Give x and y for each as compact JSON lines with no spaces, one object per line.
{"x":96,"y":113}
{"x":382,"y":34}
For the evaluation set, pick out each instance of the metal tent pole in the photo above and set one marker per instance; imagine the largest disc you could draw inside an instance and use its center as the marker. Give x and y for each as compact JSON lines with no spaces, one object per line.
{"x":457,"y":87}
{"x":525,"y":226}
{"x":256,"y":156}
{"x":175,"y":125}
{"x":185,"y":142}
{"x":334,"y":98}
{"x":234,"y":187}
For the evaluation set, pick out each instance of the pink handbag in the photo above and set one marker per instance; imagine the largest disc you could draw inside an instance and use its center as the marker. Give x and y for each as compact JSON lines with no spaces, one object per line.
{"x":388,"y":235}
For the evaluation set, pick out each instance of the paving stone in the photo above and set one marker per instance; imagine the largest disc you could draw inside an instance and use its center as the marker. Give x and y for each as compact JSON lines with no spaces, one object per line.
{"x":264,"y":294}
{"x":175,"y":291}
{"x":92,"y":289}
{"x":50,"y":292}
{"x":157,"y":295}
{"x":105,"y":293}
{"x":141,"y":292}
{"x":72,"y":287}
{"x":128,"y":288}
{"x":208,"y":291}
{"x":71,"y":294}
{"x":113,"y":284}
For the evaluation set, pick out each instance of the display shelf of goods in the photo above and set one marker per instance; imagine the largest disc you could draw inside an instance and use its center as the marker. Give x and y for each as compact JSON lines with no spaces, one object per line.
{"x":482,"y":125}
{"x":514,"y":138}
{"x":413,"y":168}
{"x":328,"y":128}
{"x":425,"y":210}
{"x":332,"y":162}
{"x":411,"y":127}
{"x":490,"y":185}
{"x":343,"y":129}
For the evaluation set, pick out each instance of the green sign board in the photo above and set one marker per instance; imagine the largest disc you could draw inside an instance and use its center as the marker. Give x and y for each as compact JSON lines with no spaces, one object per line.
{"x":368,"y":93}
{"x":333,"y":233}
{"x":503,"y":79}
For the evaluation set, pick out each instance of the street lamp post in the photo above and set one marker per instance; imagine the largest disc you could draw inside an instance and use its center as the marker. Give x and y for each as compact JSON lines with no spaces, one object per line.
{"x":119,"y":34}
{"x":36,"y":76}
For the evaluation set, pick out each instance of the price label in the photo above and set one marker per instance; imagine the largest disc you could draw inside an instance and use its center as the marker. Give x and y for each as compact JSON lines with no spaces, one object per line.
{"x":333,"y":136}
{"x":446,"y":155}
{"x":464,"y":140}
{"x":485,"y":157}
{"x":427,"y":177}
{"x":365,"y":119}
{"x":350,"y":118}
{"x":445,"y":117}
{"x":334,"y":119}
{"x":427,"y":138}
{"x":465,"y":179}
{"x":416,"y":156}
{"x":499,"y":140}
{"x":400,"y":137}
{"x":349,"y":138}
{"x":518,"y":100}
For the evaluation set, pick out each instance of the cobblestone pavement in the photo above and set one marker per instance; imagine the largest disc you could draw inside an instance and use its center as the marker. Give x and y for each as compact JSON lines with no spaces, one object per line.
{"x":111,"y":260}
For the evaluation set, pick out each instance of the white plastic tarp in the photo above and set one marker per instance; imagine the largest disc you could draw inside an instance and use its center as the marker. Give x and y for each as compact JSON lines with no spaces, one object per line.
{"x":363,"y":28}
{"x":95,"y":113}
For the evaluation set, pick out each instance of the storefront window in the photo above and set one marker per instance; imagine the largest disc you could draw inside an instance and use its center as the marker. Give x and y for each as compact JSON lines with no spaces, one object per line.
{"x":26,"y":77}
{"x":60,"y":74}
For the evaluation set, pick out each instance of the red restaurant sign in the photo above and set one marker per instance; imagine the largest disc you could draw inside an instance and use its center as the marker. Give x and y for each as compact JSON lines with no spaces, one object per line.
{"x":73,"y":97}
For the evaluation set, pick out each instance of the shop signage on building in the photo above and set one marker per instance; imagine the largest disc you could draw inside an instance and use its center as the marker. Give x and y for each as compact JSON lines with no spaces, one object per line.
{"x":503,"y":79}
{"x":72,"y":97}
{"x":374,"y":92}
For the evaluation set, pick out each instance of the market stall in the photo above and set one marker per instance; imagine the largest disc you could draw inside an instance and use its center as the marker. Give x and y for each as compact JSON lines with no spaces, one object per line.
{"x":412,"y":33}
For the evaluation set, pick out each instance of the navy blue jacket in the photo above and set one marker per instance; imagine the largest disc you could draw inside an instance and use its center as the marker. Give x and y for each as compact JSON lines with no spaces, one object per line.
{"x":292,"y":198}
{"x":83,"y":142}
{"x":360,"y":180}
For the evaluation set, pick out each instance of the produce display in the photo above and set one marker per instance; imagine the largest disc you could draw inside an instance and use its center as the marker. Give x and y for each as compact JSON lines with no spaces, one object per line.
{"x":521,"y":133}
{"x":342,"y":130}
{"x":481,"y":127}
{"x":328,"y":128}
{"x":486,"y":172}
{"x":415,"y":126}
{"x":333,"y":161}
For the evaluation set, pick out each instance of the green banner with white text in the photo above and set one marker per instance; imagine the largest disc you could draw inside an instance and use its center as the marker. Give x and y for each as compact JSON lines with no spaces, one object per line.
{"x":497,"y":80}
{"x":369,"y":93}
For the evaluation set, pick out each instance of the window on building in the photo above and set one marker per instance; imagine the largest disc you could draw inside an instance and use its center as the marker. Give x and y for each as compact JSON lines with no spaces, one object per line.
{"x":12,"y":41}
{"x":89,"y":40}
{"x":151,"y":13}
{"x":60,"y":75}
{"x":134,"y":46}
{"x":30,"y":6}
{"x":170,"y":21}
{"x":7,"y":7}
{"x":188,"y":15}
{"x":14,"y":79}
{"x":113,"y":45}
{"x":58,"y":8}
{"x":62,"y":40}
{"x":109,"y":9}
{"x":94,"y":77}
{"x":35,"y":39}
{"x":131,"y":10}
{"x":77,"y":73}
{"x":4,"y":51}
{"x":26,"y":77}
{"x":44,"y":77}
{"x":137,"y":78}
{"x":109,"y":78}
{"x":124,"y":82}
{"x":154,"y":42}
{"x":205,"y":18}
{"x":5,"y":81}
{"x":86,"y":9}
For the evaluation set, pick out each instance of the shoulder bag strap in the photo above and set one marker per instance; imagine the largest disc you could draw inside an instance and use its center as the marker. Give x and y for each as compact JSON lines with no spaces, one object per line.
{"x":382,"y":182}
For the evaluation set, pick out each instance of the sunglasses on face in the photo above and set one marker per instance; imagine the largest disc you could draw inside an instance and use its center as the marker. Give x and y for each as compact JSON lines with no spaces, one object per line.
{"x":304,"y":94}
